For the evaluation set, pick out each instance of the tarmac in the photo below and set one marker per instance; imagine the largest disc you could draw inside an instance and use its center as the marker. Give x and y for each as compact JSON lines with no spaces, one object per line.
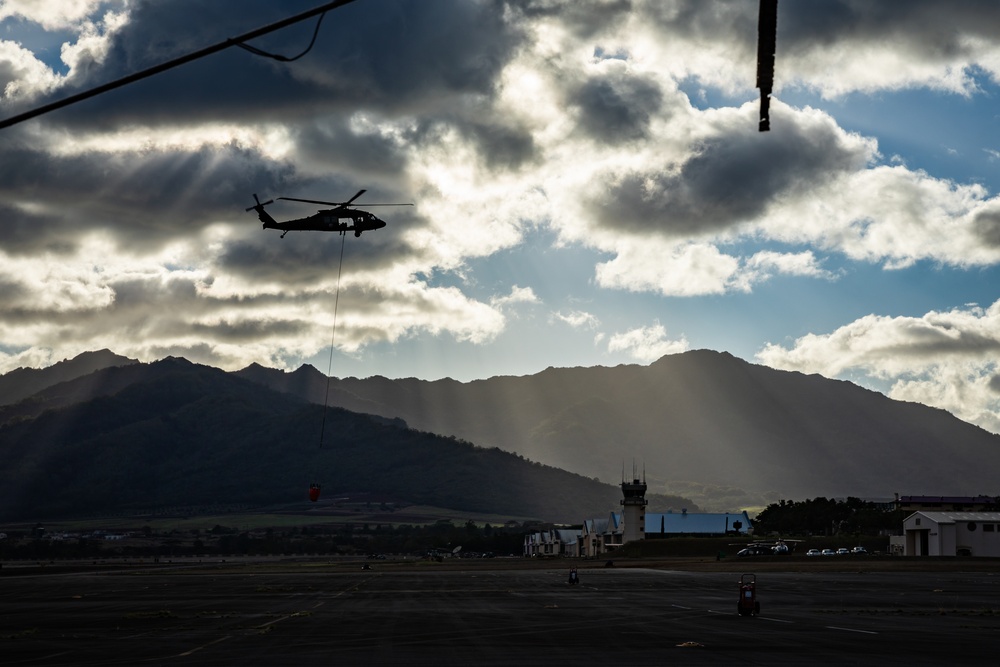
{"x":492,"y":613}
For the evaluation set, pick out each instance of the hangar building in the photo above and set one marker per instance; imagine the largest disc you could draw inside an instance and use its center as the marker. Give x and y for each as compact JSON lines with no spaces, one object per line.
{"x":952,"y":534}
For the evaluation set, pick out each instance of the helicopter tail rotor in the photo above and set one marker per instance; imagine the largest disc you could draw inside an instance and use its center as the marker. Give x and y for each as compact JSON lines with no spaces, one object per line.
{"x":258,"y":206}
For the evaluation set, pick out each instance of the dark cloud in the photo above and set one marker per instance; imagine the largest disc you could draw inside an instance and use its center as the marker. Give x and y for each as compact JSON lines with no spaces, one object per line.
{"x":136,"y":294}
{"x":586,"y":18}
{"x":146,"y":197}
{"x":250,"y":330}
{"x":994,"y":384}
{"x":332,"y":144}
{"x":391,"y":56}
{"x":11,"y":292}
{"x":8,"y":74}
{"x":928,"y":29}
{"x":696,"y":18}
{"x":616,"y":108}
{"x":986,"y":226}
{"x":502,"y":146}
{"x":27,"y":233}
{"x":728,"y":180}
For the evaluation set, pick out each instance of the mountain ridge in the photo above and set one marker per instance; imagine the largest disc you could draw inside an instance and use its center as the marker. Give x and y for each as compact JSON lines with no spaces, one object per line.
{"x":173,"y":433}
{"x":704,"y":425}
{"x":700,"y":418}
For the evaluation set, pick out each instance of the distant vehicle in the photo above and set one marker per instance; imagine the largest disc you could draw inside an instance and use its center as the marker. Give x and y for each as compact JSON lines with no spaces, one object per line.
{"x":859,"y":550}
{"x":829,"y":552}
{"x":813,"y":552}
{"x":843,"y":551}
{"x":781,"y":549}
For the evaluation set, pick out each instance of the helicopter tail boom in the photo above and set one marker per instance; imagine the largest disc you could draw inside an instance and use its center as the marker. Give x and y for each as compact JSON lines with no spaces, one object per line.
{"x":263,"y":215}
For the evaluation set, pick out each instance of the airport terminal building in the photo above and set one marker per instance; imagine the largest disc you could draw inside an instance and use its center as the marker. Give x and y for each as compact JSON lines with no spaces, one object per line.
{"x":597,"y":537}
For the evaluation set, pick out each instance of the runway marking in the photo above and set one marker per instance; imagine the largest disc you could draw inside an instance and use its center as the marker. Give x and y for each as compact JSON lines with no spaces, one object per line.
{"x":54,"y":655}
{"x":198,"y":648}
{"x":679,"y":606}
{"x":776,"y":620}
{"x":867,"y":632}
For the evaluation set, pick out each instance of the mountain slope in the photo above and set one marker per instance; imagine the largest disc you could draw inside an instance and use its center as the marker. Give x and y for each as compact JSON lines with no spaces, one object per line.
{"x":179,"y":434}
{"x":23,"y":382}
{"x":701,"y":419}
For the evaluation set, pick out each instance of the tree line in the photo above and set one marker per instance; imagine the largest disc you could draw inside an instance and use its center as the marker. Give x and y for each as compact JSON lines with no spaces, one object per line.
{"x":342,"y":539}
{"x":825,"y":516}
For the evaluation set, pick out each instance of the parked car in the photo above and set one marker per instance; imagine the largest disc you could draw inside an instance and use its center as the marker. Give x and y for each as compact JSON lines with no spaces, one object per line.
{"x":813,"y":552}
{"x":843,"y":551}
{"x":829,"y":552}
{"x":859,"y":550}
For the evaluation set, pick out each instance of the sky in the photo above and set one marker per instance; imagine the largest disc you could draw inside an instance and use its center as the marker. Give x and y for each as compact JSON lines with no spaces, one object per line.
{"x":589,"y":188}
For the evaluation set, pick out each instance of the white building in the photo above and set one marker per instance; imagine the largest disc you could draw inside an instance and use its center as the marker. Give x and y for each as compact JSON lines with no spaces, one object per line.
{"x":952,"y":534}
{"x":553,"y":542}
{"x":600,"y":536}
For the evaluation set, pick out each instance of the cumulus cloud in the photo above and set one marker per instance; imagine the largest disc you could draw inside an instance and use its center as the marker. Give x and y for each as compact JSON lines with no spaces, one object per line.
{"x":838,"y":46}
{"x":727,"y":177}
{"x":944,"y":359}
{"x":578,"y":319}
{"x":764,"y":264}
{"x":646,"y":343}
{"x":517,"y":295}
{"x":53,"y":14}
{"x":22,"y":75}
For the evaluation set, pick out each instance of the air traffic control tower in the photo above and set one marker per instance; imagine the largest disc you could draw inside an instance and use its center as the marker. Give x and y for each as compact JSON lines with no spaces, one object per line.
{"x":634,"y":508}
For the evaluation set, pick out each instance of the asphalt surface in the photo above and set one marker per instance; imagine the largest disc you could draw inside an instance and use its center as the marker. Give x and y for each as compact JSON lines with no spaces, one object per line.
{"x":319,"y":614}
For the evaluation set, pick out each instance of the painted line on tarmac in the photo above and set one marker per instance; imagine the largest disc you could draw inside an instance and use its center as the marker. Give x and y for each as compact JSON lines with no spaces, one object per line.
{"x":867,"y":632}
{"x":776,"y":620}
{"x":677,"y":606}
{"x":198,"y":648}
{"x":54,"y":655}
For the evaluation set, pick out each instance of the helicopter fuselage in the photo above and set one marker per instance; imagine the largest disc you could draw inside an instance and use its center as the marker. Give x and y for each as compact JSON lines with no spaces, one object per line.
{"x":325,"y":220}
{"x":329,"y":221}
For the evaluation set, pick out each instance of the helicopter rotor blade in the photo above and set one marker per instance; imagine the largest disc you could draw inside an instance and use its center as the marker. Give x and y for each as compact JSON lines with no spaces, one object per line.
{"x":360,"y":192}
{"x":326,"y":203}
{"x":337,"y":203}
{"x":314,"y":201}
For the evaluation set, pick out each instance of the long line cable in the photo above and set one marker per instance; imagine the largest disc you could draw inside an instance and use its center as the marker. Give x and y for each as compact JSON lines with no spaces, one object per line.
{"x":277,"y":56}
{"x":162,"y":67}
{"x":333,"y":338}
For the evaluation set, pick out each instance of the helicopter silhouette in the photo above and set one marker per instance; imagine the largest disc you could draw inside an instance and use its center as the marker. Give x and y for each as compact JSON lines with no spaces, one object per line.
{"x":327,"y":220}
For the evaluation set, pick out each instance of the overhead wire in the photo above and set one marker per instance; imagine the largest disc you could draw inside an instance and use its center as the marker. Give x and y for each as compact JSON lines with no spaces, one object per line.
{"x":201,"y":53}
